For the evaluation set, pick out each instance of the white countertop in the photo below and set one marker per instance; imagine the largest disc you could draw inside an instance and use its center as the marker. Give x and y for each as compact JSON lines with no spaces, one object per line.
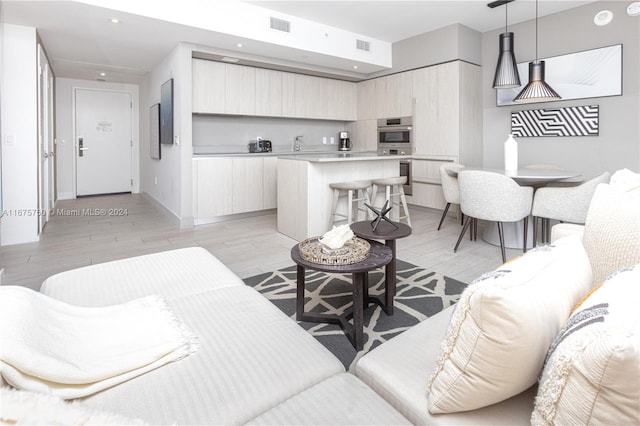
{"x":326,"y":157}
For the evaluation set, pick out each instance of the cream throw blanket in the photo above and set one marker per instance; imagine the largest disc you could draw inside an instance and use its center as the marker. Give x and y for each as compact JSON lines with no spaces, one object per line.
{"x":51,"y":347}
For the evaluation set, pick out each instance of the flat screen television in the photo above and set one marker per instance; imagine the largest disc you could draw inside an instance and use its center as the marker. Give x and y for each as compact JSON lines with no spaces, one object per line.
{"x":166,"y":112}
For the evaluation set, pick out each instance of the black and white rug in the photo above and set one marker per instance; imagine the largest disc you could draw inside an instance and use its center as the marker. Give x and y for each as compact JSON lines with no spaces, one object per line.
{"x":420,"y":294}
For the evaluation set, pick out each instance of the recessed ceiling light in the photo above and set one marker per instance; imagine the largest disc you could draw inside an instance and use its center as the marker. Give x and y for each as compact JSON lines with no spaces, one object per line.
{"x":634,"y":9}
{"x":355,"y":67}
{"x":603,"y":17}
{"x":229,"y":59}
{"x":114,"y":20}
{"x":103,"y":74}
{"x":238,"y":44}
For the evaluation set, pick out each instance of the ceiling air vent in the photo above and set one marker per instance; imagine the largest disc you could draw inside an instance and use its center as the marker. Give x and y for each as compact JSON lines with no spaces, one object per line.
{"x":363,"y":45}
{"x":280,"y":25}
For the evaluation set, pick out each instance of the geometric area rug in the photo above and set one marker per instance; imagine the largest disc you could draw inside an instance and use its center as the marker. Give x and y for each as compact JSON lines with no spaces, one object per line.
{"x":419,"y":295}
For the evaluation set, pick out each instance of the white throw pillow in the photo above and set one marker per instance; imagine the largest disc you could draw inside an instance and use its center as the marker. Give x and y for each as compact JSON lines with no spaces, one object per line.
{"x":503,"y":325}
{"x":612,"y":231}
{"x":592,"y":373}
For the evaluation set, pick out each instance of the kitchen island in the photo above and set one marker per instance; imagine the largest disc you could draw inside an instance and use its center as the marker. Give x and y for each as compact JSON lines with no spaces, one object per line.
{"x":304,"y":195}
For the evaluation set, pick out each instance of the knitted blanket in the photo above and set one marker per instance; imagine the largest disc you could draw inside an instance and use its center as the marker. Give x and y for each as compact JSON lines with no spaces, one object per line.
{"x":69,"y":351}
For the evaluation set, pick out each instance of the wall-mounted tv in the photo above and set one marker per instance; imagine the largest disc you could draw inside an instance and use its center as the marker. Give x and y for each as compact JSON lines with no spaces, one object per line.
{"x":166,"y":112}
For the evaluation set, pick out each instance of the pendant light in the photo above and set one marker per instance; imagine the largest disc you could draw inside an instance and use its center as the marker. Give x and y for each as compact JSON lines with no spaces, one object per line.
{"x":506,"y":76}
{"x":537,"y":90}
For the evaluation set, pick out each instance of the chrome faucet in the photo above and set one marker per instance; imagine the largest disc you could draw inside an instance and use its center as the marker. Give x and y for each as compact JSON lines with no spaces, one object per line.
{"x":297,"y":144}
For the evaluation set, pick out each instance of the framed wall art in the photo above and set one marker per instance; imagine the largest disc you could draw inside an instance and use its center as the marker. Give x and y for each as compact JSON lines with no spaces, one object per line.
{"x":570,"y":121}
{"x":588,"y":74}
{"x":166,"y":112}
{"x":154,"y":131}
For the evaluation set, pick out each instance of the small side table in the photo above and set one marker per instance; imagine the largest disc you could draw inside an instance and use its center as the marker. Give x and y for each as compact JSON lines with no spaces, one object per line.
{"x":387,"y":232}
{"x":379,"y":256}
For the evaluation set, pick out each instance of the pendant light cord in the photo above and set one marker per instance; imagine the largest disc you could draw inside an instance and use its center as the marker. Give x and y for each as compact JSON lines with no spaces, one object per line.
{"x":506,"y":18}
{"x":536,"y":30}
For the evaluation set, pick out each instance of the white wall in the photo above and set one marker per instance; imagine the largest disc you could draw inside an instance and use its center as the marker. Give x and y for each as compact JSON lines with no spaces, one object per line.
{"x":18,"y":108}
{"x":618,"y":144}
{"x":173,"y":171}
{"x":65,"y":131}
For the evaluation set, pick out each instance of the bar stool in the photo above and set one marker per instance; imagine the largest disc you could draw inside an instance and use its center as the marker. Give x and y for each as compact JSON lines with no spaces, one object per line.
{"x":393,"y":188}
{"x":359,"y":188}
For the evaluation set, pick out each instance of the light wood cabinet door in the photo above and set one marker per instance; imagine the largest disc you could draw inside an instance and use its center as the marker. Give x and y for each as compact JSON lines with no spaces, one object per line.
{"x":269,"y":183}
{"x":247,"y":184}
{"x":208,"y":86}
{"x":398,"y":95}
{"x":268,"y":92}
{"x":342,"y":103}
{"x":240,"y":94}
{"x":213,"y":187}
{"x":366,"y":100}
{"x":363,"y":135}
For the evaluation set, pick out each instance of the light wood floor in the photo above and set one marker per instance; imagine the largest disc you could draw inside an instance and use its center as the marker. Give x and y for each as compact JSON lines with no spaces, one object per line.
{"x":73,"y":238}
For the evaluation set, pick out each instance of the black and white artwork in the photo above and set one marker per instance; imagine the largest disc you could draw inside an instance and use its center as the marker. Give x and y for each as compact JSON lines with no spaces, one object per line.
{"x":569,"y":121}
{"x":588,"y":74}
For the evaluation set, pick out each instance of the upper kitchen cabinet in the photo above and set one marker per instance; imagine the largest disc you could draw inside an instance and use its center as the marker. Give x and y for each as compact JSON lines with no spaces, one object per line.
{"x":366,"y":100}
{"x":209,"y":86}
{"x":305,"y":96}
{"x":220,"y":88}
{"x":394,"y":97}
{"x":447,"y":120}
{"x":240,"y":94}
{"x":268,"y":92}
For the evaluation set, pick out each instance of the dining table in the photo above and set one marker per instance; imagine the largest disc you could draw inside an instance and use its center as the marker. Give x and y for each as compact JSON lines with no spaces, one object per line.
{"x":535,"y":177}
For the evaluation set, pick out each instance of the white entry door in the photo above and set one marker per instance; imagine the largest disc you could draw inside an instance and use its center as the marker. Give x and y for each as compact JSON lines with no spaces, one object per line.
{"x":104,"y":147}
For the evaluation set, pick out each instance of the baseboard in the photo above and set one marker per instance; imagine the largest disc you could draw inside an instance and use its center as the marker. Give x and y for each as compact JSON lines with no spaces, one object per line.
{"x":182,"y":223}
{"x":66,"y":196}
{"x":225,"y":218}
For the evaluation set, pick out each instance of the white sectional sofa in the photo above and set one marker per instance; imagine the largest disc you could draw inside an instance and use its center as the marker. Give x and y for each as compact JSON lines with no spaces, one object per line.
{"x":254,"y":364}
{"x":257,"y":366}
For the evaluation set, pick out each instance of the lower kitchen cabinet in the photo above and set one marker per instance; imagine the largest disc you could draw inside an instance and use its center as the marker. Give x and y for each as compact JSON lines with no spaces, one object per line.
{"x":233,"y":185}
{"x":427,"y":188}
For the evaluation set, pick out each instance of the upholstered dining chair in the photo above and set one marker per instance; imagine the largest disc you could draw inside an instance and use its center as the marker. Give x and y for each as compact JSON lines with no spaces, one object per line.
{"x":565,"y":204}
{"x":493,"y":197}
{"x":449,"y":180}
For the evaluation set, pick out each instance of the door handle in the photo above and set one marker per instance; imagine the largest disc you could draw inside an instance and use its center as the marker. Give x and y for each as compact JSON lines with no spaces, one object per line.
{"x":81,"y":148}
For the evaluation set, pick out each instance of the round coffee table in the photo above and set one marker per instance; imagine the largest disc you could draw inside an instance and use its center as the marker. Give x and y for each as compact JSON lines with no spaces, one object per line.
{"x":389,"y":233}
{"x":380,"y":255}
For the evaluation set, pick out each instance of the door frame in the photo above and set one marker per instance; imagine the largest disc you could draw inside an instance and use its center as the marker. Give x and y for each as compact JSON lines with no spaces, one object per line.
{"x":135,"y":170}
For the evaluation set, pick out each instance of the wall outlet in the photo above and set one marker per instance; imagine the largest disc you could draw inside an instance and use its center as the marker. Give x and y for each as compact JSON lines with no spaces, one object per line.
{"x":333,"y":140}
{"x":155,"y":180}
{"x":324,"y":140}
{"x":176,"y":139}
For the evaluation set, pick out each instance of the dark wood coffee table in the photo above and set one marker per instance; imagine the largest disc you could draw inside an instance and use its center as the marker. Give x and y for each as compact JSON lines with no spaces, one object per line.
{"x":387,"y":232}
{"x":380,"y":255}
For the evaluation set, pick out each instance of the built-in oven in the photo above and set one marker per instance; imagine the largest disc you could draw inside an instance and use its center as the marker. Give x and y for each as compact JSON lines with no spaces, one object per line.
{"x":405,"y":170}
{"x":395,"y":136}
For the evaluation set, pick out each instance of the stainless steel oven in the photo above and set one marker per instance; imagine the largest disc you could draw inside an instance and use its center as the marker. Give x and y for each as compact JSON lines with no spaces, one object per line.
{"x":395,"y":136}
{"x":405,"y":170}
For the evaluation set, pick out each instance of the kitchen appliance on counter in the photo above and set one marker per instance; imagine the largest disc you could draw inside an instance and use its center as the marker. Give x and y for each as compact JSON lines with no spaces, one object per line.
{"x":344,"y":142}
{"x":260,"y":145}
{"x":395,"y":136}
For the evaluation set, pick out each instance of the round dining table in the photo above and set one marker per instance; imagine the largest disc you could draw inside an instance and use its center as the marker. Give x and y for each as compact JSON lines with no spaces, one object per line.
{"x":535,"y":177}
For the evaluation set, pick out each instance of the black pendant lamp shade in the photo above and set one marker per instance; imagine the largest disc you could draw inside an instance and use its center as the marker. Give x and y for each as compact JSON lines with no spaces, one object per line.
{"x":537,"y":90}
{"x":506,"y":76}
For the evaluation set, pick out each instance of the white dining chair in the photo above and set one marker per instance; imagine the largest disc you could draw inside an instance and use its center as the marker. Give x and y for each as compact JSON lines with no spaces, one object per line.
{"x":564,"y":204}
{"x":493,"y":197}
{"x":450,"y":189}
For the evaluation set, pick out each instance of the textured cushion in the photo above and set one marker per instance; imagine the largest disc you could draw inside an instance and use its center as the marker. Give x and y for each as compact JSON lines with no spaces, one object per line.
{"x":171,"y":274}
{"x":612,"y":231}
{"x":592,"y":372}
{"x":252,"y":357}
{"x":342,"y":399}
{"x":503,"y":325}
{"x":399,"y":369}
{"x":30,"y":408}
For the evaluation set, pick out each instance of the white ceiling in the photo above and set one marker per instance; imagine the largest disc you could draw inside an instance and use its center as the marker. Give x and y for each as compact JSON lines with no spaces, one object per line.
{"x":81,"y":42}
